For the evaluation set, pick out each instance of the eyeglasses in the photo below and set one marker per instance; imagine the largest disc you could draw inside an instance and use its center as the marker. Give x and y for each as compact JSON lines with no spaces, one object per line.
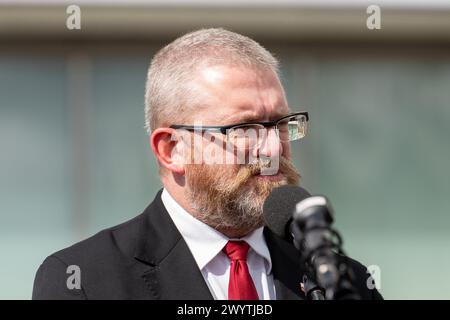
{"x":248,"y":134}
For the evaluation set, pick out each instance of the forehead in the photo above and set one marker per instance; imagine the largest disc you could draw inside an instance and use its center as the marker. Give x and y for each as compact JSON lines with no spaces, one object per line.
{"x":238,"y":94}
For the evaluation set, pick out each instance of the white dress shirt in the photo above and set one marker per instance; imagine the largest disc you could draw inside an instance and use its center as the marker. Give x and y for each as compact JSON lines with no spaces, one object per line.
{"x":206,"y":244}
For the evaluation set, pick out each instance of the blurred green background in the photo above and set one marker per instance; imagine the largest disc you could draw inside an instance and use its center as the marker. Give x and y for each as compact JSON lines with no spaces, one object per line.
{"x":74,"y":157}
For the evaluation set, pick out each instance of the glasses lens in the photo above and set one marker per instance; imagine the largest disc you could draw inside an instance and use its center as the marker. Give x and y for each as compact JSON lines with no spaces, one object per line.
{"x":245,"y":137}
{"x":293,"y":128}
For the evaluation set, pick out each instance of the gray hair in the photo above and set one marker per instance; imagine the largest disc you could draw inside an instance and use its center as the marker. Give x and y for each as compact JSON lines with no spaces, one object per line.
{"x":168,"y":92}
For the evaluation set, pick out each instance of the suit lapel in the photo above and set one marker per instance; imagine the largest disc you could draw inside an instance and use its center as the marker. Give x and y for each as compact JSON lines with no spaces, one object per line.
{"x":287,"y":273}
{"x":171,"y":272}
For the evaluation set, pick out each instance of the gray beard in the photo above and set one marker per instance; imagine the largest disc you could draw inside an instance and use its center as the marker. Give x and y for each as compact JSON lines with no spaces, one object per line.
{"x":242,"y":212}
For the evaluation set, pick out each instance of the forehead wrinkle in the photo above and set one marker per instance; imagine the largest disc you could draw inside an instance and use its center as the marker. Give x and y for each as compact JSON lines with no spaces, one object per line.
{"x":255,"y":117}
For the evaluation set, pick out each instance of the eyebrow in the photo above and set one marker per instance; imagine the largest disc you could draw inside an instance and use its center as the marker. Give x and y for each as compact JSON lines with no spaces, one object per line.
{"x":253,"y":118}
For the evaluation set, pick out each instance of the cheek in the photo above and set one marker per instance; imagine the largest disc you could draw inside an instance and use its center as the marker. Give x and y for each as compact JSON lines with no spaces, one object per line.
{"x":213,"y":150}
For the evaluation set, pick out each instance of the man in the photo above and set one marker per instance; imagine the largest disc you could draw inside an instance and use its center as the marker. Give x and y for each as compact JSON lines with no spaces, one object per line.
{"x":220,"y":128}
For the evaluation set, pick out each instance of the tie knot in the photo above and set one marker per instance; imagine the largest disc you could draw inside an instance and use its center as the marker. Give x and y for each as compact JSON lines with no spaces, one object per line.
{"x":236,"y":250}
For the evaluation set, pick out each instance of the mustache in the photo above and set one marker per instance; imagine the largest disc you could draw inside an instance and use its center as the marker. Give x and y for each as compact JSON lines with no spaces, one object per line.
{"x":285,"y":167}
{"x":256,"y":167}
{"x":227,"y":182}
{"x":266,"y":163}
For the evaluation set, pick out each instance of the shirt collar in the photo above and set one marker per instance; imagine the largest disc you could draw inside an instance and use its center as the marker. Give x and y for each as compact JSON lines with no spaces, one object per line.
{"x":205,"y":242}
{"x":258,"y":244}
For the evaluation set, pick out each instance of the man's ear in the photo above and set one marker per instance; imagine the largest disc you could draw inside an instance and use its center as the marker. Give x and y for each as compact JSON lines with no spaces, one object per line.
{"x":168,"y":147}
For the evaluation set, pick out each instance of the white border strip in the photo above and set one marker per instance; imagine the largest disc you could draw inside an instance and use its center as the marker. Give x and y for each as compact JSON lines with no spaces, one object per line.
{"x":344,"y":4}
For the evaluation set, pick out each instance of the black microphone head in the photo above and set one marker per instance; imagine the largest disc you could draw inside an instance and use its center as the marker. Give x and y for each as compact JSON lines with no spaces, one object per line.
{"x":280,"y":206}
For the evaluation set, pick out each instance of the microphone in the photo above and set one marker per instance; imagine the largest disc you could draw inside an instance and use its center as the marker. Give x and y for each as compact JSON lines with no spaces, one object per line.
{"x":278,"y":211}
{"x":279,"y":208}
{"x":304,"y":220}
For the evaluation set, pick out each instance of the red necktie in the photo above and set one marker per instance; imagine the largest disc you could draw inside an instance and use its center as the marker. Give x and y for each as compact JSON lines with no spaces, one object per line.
{"x":241,"y":286}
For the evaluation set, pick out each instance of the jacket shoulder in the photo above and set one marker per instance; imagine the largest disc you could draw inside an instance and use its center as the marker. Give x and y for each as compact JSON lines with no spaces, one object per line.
{"x":101,"y":256}
{"x":114,"y":240}
{"x":363,"y":282}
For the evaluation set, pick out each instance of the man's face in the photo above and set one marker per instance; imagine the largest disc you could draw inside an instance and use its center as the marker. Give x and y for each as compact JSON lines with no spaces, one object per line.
{"x":230,"y":195}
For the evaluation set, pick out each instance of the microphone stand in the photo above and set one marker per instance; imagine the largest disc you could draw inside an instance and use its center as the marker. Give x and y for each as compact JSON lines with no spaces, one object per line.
{"x":312,"y":290}
{"x":321,"y":252}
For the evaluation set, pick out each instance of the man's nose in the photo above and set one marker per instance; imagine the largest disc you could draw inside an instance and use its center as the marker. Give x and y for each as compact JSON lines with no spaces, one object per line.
{"x":269,"y":144}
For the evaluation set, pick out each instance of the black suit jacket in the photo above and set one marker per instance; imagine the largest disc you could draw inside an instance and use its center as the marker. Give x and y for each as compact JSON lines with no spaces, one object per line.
{"x":147,"y":258}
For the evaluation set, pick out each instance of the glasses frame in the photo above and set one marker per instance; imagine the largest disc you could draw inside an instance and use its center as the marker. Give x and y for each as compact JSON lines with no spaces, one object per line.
{"x":223,"y":129}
